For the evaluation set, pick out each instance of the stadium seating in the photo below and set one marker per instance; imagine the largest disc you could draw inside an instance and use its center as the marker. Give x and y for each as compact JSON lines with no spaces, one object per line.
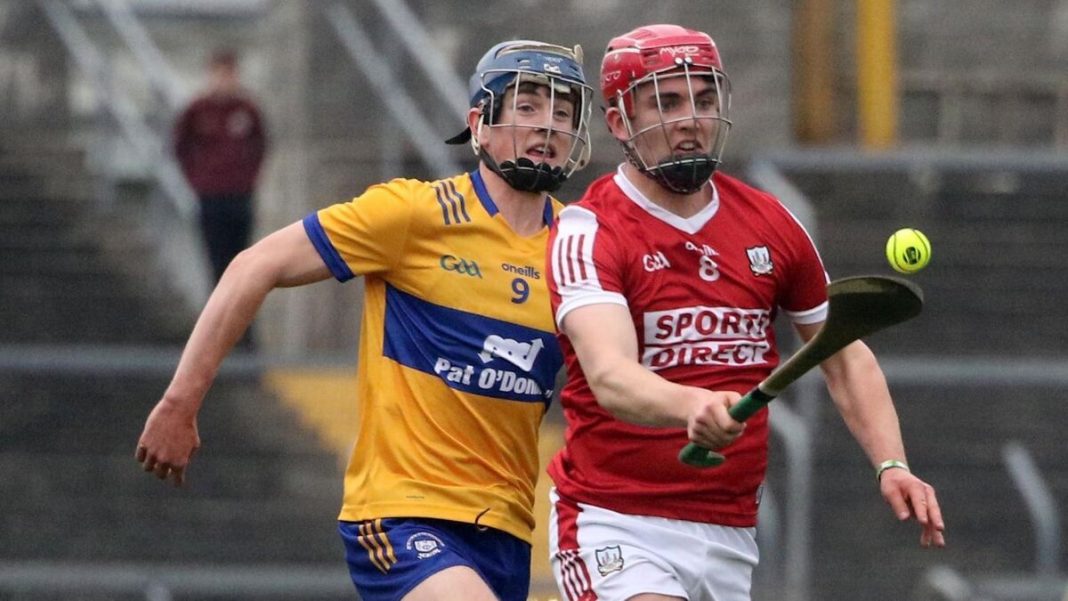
{"x":77,"y":292}
{"x":996,"y":281}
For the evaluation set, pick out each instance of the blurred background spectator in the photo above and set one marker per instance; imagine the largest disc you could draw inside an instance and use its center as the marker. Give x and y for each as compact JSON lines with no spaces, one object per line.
{"x":220,"y":142}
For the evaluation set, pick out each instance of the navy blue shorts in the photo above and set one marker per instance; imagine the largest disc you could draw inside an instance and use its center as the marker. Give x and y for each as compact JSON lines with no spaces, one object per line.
{"x":388,"y":557}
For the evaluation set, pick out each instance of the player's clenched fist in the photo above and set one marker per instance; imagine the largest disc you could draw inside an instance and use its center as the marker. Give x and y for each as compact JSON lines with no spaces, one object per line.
{"x":709,"y":424}
{"x":168,"y":442}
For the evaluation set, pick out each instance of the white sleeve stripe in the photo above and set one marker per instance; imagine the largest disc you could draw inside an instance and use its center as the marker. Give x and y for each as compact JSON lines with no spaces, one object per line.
{"x":558,"y":270}
{"x":563,"y":268}
{"x":813,"y":315}
{"x":574,"y":269}
{"x":573,"y":249}
{"x":569,"y":264}
{"x":602,"y":297}
{"x":587,"y":257}
{"x":571,"y":260}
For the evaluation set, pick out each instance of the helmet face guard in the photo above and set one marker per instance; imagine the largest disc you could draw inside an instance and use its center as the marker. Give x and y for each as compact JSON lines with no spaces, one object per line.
{"x":706,"y":105}
{"x":647,"y":60}
{"x":555,"y":74}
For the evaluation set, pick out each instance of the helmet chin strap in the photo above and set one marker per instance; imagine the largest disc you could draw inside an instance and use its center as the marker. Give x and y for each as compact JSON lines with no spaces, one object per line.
{"x":680,"y":175}
{"x":524,"y":174}
{"x":683,"y":175}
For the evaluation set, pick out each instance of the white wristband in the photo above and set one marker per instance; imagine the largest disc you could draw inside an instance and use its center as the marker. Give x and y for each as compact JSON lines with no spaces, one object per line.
{"x":889,"y":464}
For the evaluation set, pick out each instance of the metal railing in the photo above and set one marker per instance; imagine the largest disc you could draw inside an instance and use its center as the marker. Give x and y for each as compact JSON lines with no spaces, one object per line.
{"x":1047,"y":582}
{"x":154,"y":66}
{"x":411,"y":33}
{"x":1045,"y":518}
{"x":125,"y":114}
{"x":180,"y":253}
{"x":796,"y":435}
{"x":943,"y":583}
{"x":437,"y":157}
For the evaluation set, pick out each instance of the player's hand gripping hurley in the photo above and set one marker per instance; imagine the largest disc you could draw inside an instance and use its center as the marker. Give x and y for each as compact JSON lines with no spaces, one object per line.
{"x":859,"y":306}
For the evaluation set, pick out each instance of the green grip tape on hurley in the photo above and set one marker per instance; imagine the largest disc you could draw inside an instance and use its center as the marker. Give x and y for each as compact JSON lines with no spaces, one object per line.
{"x":697,"y":456}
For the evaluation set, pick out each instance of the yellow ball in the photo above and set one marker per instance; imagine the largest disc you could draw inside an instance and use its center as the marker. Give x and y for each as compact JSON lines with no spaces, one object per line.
{"x":908,"y":250}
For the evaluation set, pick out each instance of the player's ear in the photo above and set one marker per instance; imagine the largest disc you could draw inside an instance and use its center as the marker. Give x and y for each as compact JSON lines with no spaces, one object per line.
{"x":474,"y":123}
{"x":474,"y":115}
{"x":613,"y":118}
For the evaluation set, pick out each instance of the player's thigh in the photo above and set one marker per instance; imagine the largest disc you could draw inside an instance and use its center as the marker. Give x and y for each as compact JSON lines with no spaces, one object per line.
{"x":459,"y":583}
{"x":596,"y":553}
{"x":621,"y":557}
{"x":390,"y":558}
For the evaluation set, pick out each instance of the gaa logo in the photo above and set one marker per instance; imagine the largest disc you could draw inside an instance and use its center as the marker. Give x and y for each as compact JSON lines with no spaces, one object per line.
{"x":460,"y":265}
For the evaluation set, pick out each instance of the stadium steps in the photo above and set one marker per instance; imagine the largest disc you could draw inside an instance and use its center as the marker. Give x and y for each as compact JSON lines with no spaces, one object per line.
{"x":261,"y":490}
{"x":98,"y":412}
{"x":999,"y":264}
{"x":996,"y":282}
{"x":79,"y":294}
{"x":74,"y":273}
{"x":174,"y":529}
{"x":955,"y":443}
{"x":221,"y":477}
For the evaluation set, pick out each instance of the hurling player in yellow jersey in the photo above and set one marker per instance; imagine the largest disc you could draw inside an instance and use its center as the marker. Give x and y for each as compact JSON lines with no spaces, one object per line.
{"x":457,"y":355}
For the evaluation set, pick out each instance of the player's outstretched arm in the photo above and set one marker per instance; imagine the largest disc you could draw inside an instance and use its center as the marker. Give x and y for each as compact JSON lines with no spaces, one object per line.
{"x":607,"y":347}
{"x":859,"y":389}
{"x":283,"y":259}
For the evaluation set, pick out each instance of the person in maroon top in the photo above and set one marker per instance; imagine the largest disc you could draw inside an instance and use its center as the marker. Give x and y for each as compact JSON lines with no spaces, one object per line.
{"x":220,"y":142}
{"x":665,"y":279}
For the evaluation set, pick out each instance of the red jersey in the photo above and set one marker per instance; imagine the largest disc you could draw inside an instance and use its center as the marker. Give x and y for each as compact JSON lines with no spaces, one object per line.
{"x":220,"y":142}
{"x":702,"y":293}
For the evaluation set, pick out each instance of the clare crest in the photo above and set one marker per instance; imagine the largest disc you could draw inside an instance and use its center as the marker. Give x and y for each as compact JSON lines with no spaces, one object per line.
{"x":424,"y":544}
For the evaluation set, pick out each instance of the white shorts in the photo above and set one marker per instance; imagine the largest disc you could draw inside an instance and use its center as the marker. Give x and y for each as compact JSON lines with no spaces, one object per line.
{"x":617,"y":556}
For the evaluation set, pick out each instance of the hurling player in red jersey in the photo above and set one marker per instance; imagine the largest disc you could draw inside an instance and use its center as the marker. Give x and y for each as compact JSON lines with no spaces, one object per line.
{"x":665,"y":280}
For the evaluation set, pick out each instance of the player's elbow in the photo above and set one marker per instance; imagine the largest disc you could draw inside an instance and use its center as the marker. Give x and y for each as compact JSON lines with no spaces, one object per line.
{"x":254,"y":268}
{"x":614,"y":396}
{"x":620,"y":409}
{"x":852,"y":363}
{"x":611,"y":403}
{"x":605,"y":386}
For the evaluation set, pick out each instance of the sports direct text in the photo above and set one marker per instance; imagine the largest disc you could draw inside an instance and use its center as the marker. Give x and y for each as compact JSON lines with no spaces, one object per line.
{"x":705,"y":336}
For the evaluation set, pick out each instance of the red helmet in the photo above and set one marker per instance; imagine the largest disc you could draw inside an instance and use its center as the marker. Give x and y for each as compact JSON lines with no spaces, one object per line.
{"x":657,"y":54}
{"x":653,"y":49}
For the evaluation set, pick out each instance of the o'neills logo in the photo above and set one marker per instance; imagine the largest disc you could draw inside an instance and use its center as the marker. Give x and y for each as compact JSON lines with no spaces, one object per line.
{"x":706,"y":336}
{"x":527,"y":271}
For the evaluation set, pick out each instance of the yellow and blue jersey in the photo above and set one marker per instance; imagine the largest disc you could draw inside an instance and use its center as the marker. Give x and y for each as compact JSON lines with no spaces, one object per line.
{"x":457,"y":356}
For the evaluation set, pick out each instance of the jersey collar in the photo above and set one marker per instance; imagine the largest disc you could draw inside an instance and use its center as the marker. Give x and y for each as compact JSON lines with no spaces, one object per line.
{"x":491,"y":207}
{"x":690,"y":225}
